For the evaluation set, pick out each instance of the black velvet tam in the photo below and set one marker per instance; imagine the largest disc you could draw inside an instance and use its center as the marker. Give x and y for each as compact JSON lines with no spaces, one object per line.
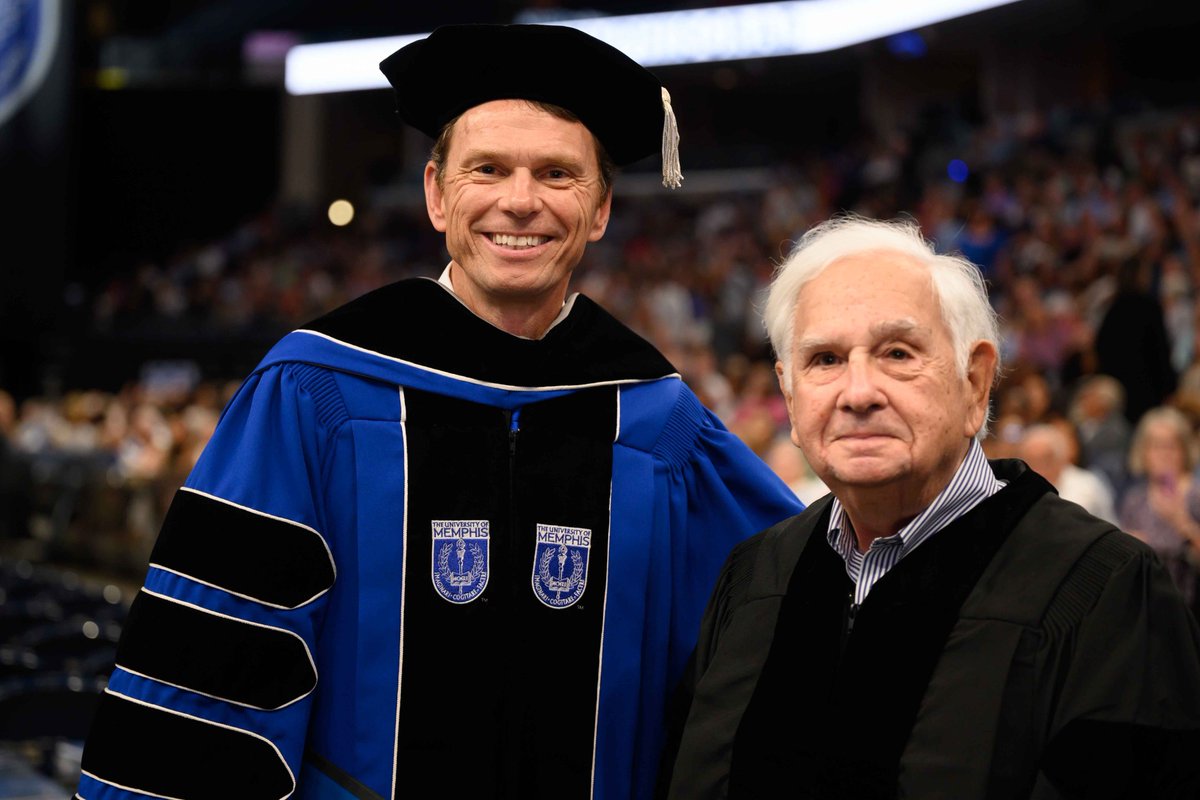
{"x":460,"y":66}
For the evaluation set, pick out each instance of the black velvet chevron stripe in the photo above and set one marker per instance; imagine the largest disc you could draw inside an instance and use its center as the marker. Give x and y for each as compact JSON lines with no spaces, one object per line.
{"x":265,"y":559}
{"x":589,"y":346}
{"x":168,"y":755}
{"x":215,"y":655}
{"x":352,"y":785}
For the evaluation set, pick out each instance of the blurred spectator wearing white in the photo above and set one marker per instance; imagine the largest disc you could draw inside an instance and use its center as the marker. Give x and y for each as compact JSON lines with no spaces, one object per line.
{"x":1046,"y":449}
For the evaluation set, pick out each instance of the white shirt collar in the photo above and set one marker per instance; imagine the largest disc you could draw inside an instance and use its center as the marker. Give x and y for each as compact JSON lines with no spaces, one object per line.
{"x":563,"y":312}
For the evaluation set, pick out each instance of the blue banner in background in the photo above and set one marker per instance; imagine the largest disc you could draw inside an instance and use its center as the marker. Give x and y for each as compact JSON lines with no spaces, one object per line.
{"x":28,"y":38}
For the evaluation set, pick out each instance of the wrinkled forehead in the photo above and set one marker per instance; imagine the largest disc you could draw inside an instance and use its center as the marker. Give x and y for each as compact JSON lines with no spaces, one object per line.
{"x":880,"y":279}
{"x":871,"y":262}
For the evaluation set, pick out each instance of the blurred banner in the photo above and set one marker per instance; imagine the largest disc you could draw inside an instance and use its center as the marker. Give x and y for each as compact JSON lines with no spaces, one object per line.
{"x":36,"y":141}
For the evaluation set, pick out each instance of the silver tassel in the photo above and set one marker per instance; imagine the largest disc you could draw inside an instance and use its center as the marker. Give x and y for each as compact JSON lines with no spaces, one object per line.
{"x":672,"y":176}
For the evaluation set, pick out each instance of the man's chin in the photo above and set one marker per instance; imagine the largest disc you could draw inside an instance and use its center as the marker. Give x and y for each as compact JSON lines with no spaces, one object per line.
{"x":864,"y":472}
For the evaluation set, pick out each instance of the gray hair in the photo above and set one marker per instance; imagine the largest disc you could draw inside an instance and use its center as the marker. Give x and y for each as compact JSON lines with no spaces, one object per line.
{"x":957,"y":284}
{"x":1179,"y":424}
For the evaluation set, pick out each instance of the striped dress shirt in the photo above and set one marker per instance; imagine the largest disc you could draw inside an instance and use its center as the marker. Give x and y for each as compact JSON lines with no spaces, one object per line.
{"x":973,"y":483}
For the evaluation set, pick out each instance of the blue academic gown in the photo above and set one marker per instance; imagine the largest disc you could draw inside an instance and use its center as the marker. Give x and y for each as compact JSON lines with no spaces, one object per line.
{"x":421,"y":554}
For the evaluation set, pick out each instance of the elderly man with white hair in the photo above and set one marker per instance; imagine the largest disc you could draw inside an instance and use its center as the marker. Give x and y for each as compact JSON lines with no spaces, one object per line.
{"x":940,"y":626}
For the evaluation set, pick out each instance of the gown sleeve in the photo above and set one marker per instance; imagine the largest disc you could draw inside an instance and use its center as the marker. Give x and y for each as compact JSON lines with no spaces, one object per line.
{"x":1126,"y":722}
{"x":710,"y":492}
{"x":720,"y":494}
{"x":211,"y":691}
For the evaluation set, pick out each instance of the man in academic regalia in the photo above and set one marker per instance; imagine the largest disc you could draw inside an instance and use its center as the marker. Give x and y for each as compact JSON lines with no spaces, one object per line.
{"x":939,"y":626}
{"x":454,"y":538}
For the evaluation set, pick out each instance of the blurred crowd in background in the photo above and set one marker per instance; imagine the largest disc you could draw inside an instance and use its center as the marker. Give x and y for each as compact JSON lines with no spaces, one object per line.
{"x":1086,"y":224}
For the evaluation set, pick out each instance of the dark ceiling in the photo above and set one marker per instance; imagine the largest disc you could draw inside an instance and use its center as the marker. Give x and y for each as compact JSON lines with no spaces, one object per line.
{"x":349,"y":18}
{"x":185,"y":36}
{"x":181,"y":41}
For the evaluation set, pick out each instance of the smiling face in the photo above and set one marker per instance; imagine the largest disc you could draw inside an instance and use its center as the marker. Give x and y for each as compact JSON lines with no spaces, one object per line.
{"x":876,"y":401}
{"x":519,"y":199}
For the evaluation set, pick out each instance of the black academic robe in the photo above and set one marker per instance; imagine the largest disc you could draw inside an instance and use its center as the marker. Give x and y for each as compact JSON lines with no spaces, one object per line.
{"x":1028,"y":650}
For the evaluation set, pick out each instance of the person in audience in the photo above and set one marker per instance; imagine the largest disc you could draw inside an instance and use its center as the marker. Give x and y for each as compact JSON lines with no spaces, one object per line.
{"x":1162,"y":505}
{"x":14,"y":475}
{"x":1132,"y":344}
{"x":1047,"y":451}
{"x":1097,"y":410}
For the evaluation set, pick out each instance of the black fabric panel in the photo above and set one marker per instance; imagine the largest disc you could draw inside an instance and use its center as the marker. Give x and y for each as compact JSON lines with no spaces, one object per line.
{"x":734,"y":644}
{"x":168,"y":755}
{"x":1014,"y":751}
{"x":214,"y":655}
{"x":856,"y":710}
{"x":498,"y":695}
{"x":428,"y":326}
{"x":791,"y":705}
{"x":266,"y":559}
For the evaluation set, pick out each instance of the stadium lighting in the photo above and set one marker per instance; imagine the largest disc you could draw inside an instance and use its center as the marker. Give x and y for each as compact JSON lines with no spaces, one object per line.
{"x":724,"y":33}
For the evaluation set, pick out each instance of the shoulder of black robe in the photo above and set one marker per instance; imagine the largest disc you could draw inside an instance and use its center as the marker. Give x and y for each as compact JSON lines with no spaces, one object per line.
{"x":1127,"y":723}
{"x":1102,"y":697}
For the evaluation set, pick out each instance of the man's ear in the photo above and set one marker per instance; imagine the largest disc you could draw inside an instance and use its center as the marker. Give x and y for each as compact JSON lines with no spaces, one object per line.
{"x":981,"y":371}
{"x":433,"y":199}
{"x":600,"y":222}
{"x":781,"y":376}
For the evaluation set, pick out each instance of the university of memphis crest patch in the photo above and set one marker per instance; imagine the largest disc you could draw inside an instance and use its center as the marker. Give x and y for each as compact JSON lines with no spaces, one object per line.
{"x":560,"y":561}
{"x":460,"y":558}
